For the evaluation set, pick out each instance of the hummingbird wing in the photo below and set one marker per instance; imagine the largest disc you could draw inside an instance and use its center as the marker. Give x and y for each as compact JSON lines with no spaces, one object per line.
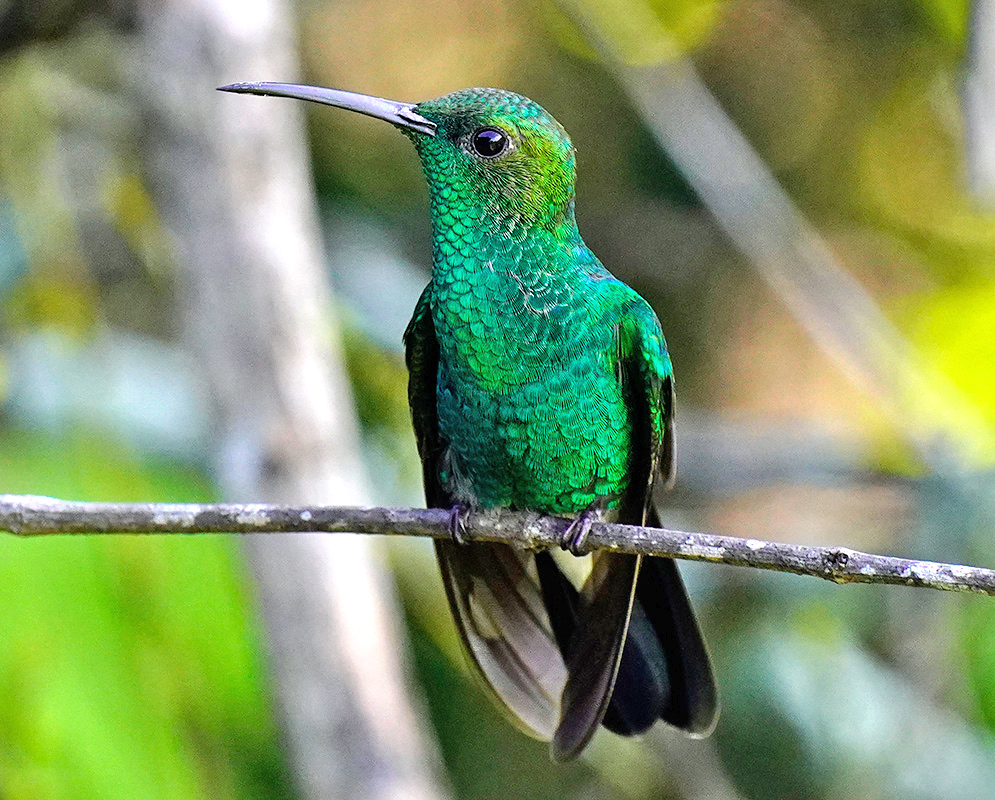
{"x":663,"y":669}
{"x":421,"y":355}
{"x":592,"y":625}
{"x":665,"y":672}
{"x":492,"y":589}
{"x":503,"y":623}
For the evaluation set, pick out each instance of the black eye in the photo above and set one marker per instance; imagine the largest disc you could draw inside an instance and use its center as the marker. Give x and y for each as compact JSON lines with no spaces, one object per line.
{"x":490,"y":142}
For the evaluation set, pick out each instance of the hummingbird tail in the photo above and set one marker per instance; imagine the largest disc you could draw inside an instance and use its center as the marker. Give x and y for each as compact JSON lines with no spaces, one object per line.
{"x":665,"y":671}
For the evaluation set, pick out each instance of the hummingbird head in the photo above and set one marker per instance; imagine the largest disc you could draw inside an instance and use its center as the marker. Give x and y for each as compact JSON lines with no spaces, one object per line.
{"x":499,"y":155}
{"x":489,"y":155}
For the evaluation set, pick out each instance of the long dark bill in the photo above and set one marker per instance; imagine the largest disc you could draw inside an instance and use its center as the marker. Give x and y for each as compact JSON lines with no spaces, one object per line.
{"x":403,"y":115}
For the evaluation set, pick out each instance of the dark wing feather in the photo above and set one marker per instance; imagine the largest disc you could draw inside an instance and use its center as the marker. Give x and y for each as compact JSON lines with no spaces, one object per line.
{"x":494,"y":598}
{"x":499,"y":612}
{"x":421,"y":354}
{"x":668,"y":454}
{"x":594,"y":650}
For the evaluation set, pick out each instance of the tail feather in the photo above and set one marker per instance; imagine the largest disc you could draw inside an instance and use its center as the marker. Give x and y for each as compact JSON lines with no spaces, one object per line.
{"x":642,"y":686}
{"x":689,"y":699}
{"x":665,"y":672}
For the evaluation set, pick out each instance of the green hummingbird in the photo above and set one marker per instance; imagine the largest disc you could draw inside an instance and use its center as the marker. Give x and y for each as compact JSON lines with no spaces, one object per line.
{"x":538,"y":381}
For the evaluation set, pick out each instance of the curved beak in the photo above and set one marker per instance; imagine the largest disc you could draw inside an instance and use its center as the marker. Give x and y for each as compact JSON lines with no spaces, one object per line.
{"x":403,"y":115}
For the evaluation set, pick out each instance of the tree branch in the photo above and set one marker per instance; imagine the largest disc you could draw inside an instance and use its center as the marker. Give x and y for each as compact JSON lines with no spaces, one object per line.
{"x":25,"y":515}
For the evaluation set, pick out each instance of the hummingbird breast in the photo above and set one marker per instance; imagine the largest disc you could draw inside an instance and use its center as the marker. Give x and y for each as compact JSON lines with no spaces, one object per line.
{"x":529,"y":399}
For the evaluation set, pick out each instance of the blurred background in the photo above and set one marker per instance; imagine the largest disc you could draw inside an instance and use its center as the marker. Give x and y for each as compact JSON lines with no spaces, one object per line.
{"x":202,"y":297}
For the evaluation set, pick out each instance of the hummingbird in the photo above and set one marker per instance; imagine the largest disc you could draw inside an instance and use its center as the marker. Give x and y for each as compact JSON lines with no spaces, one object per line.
{"x":538,"y":381}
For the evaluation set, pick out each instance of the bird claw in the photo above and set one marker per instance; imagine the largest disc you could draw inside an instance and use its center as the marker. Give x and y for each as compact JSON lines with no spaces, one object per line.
{"x":457,"y":523}
{"x":574,"y":538}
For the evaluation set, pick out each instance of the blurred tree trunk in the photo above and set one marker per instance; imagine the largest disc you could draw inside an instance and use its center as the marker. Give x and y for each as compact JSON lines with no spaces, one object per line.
{"x":979,"y":102}
{"x":231,"y":176}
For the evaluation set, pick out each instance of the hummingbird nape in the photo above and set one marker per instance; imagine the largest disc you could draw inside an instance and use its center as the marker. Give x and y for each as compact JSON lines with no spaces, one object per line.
{"x":539,"y":381}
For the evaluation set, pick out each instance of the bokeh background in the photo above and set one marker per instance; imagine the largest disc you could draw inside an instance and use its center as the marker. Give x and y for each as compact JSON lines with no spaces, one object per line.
{"x":803,"y":190}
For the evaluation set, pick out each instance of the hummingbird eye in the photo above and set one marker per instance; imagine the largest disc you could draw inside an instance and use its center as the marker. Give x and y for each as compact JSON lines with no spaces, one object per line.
{"x":489,"y":142}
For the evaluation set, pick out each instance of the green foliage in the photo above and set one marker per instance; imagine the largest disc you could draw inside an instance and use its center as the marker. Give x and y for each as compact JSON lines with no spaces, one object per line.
{"x":641,"y":31}
{"x":952,"y":328}
{"x":977,"y":640}
{"x":130,"y":666}
{"x":949,"y":17}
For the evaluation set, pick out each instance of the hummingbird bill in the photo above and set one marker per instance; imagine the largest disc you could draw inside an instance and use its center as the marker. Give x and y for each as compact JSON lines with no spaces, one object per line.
{"x":538,"y":381}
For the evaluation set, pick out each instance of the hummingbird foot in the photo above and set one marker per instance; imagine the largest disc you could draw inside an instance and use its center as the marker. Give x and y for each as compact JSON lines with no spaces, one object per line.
{"x":457,"y":523}
{"x":574,"y":538}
